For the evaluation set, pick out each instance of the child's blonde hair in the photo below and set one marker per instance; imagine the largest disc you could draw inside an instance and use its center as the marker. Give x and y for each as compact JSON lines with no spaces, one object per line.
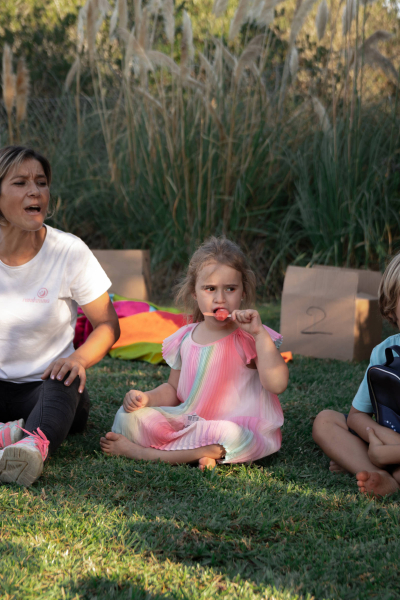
{"x":215,"y":249}
{"x":389,"y":290}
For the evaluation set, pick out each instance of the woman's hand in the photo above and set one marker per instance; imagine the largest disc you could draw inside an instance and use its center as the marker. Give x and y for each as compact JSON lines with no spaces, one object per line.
{"x":249,"y":320}
{"x":134,"y":400}
{"x":60,"y":367}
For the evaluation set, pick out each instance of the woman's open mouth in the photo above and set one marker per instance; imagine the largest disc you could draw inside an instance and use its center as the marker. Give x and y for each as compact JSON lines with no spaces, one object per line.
{"x":34,"y":209}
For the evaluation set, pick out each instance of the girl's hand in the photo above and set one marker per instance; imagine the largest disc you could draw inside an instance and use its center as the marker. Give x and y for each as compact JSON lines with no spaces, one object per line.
{"x":60,"y":367}
{"x":249,"y":320}
{"x":134,"y":400}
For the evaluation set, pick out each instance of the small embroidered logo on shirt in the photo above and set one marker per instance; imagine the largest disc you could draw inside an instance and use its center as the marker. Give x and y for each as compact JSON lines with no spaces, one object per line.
{"x":42,"y":293}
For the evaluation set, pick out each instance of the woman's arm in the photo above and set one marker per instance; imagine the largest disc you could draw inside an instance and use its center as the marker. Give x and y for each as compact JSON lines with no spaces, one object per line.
{"x":106,"y":332}
{"x":273,"y":371}
{"x":163,"y":395}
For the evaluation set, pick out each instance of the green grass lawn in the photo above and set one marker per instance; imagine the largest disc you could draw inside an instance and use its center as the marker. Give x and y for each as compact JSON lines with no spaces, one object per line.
{"x":285,"y":528}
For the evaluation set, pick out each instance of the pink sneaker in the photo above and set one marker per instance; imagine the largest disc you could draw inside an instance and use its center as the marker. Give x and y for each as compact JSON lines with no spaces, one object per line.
{"x":23,"y":462}
{"x":10,"y":433}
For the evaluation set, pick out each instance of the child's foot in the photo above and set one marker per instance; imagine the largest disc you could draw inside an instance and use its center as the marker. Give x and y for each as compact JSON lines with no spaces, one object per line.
{"x":117,"y":444}
{"x":375,"y":448}
{"x":207,"y":463}
{"x":377,"y":483}
{"x":335,"y":468}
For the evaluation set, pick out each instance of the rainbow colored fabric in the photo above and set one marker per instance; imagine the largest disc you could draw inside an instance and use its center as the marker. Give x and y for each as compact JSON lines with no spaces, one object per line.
{"x":222,"y":401}
{"x":144,"y":327}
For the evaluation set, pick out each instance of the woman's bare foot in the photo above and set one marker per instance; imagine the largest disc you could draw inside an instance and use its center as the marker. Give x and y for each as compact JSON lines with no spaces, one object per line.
{"x":117,"y":444}
{"x":335,"y":468}
{"x":376,"y":483}
{"x":207,"y":463}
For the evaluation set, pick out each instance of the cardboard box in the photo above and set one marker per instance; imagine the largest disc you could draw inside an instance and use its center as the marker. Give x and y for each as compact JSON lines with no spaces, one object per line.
{"x":129,"y":271}
{"x":329,"y":312}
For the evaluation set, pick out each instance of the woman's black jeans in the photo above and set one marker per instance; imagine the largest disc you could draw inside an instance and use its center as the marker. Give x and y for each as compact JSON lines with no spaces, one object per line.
{"x":55,"y":408}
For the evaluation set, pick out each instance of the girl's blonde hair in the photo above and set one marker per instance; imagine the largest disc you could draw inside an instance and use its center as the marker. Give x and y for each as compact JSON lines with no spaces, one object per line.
{"x":389,"y":291}
{"x":13,"y":156}
{"x":221,"y":250}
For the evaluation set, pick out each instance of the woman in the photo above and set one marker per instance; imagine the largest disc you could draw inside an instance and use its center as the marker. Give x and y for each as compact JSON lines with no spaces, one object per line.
{"x":44,"y":274}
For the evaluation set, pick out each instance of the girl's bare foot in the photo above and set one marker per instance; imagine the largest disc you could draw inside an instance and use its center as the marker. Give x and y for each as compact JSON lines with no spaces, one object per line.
{"x":335,"y":468}
{"x":117,"y":444}
{"x":207,"y":463}
{"x":377,"y":483}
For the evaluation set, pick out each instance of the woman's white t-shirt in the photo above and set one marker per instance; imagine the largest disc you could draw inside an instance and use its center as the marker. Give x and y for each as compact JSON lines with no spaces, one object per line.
{"x":38,"y":304}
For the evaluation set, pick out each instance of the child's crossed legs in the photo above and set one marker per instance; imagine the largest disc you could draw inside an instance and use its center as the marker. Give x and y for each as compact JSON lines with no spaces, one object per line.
{"x":348,"y":452}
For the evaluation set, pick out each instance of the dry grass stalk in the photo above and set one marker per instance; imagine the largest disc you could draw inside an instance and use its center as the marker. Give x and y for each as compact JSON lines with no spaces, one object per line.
{"x":299,"y":18}
{"x":22,"y":90}
{"x":133,"y":48}
{"x":138,"y":13}
{"x":113,"y":21}
{"x":267,"y":13}
{"x":255,"y":9}
{"x":71,"y":73}
{"x":104,"y":7}
{"x":162,"y":60}
{"x":122,"y":14}
{"x":294,"y":63}
{"x":238,"y":19}
{"x":169,"y":20}
{"x":375,"y":59}
{"x":209,"y":70}
{"x":348,"y":15}
{"x":227,"y":56}
{"x":9,"y":90}
{"x":80,"y":36}
{"x":91,"y":30}
{"x":321,"y":20}
{"x":143,"y":29}
{"x":154,"y":7}
{"x":250,"y":54}
{"x":375,"y":38}
{"x":187,"y":48}
{"x":220,"y":7}
{"x":321,"y":113}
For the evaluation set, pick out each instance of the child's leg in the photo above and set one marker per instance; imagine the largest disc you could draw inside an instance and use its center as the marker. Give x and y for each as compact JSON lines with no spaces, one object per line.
{"x":118,"y":445}
{"x":331,"y":433}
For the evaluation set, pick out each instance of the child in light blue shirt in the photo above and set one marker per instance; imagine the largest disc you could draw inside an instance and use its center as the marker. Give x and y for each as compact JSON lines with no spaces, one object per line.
{"x":356,"y":443}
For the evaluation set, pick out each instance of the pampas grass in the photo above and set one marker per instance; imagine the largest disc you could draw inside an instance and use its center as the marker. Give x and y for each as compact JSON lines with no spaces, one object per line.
{"x":321,"y":113}
{"x":219,"y":7}
{"x":322,"y":19}
{"x":122,"y":14}
{"x":267,"y":13}
{"x":294,"y":63}
{"x":187,"y":48}
{"x":238,"y":19}
{"x":9,"y":90}
{"x":169,"y":20}
{"x":348,"y":15}
{"x":22,"y":94}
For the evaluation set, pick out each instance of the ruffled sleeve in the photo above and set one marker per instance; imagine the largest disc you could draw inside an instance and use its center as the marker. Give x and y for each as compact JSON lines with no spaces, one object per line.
{"x":171,"y":347}
{"x":246,"y":345}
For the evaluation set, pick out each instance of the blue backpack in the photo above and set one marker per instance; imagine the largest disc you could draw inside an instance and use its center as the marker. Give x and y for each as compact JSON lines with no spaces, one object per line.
{"x":384,"y":390}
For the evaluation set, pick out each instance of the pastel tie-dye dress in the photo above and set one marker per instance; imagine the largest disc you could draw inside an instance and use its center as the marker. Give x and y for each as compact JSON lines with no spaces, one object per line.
{"x":222,"y":401}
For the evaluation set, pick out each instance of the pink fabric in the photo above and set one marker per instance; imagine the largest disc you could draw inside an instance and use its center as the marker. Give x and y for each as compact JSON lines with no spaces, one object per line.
{"x":222,"y":401}
{"x":123,"y":308}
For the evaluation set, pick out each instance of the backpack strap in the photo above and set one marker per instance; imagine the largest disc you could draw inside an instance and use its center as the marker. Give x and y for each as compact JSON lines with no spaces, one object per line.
{"x":389,"y":354}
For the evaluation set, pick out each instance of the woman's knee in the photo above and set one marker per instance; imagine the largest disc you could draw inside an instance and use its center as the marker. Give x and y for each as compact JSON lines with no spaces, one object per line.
{"x":324,"y":422}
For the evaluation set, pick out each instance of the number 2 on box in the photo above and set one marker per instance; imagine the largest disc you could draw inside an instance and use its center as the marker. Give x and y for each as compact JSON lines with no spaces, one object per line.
{"x":313,"y":311}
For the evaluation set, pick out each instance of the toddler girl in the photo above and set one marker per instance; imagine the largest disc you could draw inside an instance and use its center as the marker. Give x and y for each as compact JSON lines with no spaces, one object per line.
{"x":220,"y":402}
